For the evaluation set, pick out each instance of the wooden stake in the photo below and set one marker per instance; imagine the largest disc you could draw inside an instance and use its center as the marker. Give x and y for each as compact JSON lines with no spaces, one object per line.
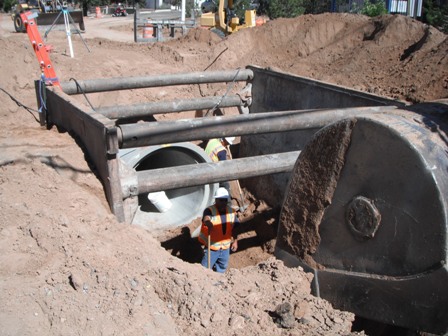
{"x":208,"y":251}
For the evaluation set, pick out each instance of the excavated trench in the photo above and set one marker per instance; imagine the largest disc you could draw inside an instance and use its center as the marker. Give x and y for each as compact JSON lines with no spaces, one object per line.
{"x":166,"y":213}
{"x":257,"y":234}
{"x":377,"y":261}
{"x":257,"y":231}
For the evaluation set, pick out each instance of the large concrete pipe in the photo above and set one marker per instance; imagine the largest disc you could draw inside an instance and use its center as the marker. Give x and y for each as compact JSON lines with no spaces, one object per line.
{"x":366,"y":211}
{"x":181,"y":205}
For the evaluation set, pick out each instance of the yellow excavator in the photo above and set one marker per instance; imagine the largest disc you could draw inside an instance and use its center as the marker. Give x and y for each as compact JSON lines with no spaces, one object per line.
{"x":48,"y":13}
{"x":224,"y":17}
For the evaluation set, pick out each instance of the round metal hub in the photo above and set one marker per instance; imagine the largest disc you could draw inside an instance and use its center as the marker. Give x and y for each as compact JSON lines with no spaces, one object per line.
{"x":363,"y":217}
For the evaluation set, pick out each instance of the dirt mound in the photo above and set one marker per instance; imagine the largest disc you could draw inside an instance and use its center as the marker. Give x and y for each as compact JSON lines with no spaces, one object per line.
{"x":392,"y":55}
{"x":67,"y":266}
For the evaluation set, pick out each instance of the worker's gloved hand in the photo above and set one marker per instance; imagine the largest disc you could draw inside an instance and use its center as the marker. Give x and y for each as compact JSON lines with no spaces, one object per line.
{"x":209,"y":225}
{"x":234,"y":245}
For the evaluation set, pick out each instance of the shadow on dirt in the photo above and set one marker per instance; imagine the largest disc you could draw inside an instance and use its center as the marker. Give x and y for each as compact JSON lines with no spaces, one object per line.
{"x":258,"y":230}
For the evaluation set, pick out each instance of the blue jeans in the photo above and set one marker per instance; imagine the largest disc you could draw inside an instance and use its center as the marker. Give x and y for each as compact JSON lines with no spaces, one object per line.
{"x":218,"y":260}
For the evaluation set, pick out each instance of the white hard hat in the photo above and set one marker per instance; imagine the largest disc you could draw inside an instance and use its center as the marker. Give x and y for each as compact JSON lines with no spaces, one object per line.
{"x":222,"y":193}
{"x":230,"y":140}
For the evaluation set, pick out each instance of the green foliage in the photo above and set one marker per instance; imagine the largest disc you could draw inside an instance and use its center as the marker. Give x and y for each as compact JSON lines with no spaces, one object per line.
{"x":435,"y":15}
{"x":7,"y":5}
{"x":240,"y":7}
{"x":354,"y":8}
{"x":140,"y":3}
{"x":374,"y":8}
{"x":292,"y":8}
{"x":316,"y":6}
{"x":93,"y":3}
{"x":189,"y":6}
{"x":285,"y":8}
{"x":263,"y":6}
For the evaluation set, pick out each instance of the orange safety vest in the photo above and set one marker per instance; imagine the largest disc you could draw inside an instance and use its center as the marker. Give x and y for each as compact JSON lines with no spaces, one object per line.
{"x":218,"y":239}
{"x":214,"y":146}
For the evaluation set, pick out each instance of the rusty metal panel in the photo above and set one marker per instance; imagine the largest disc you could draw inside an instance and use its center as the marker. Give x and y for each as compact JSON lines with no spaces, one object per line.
{"x":98,"y":136}
{"x":274,"y":91}
{"x":367,"y":209}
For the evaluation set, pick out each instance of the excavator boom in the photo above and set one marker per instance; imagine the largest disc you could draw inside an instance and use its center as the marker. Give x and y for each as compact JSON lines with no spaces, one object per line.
{"x":48,"y":72}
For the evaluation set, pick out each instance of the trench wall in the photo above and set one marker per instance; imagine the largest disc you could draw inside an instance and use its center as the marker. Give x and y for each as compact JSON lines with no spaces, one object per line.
{"x":276,"y":91}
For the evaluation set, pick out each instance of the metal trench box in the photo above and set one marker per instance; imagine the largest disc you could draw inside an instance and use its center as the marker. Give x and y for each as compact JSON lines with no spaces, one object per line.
{"x":281,"y":117}
{"x":298,"y":107}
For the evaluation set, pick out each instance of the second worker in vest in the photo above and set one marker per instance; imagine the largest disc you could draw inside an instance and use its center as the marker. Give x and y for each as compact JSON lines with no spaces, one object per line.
{"x":218,"y":223}
{"x":217,"y":151}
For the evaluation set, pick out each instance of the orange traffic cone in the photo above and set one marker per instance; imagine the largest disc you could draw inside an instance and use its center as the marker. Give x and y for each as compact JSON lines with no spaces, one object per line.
{"x":260,"y":21}
{"x":98,"y":13}
{"x":148,"y":31}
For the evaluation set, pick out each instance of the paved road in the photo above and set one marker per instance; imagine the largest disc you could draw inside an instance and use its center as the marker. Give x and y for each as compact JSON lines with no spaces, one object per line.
{"x":108,"y":27}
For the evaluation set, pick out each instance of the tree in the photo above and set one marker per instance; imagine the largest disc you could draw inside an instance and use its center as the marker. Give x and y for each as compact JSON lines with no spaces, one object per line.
{"x":317,"y":6}
{"x":7,"y":5}
{"x":284,"y":8}
{"x":435,"y":15}
{"x":374,"y":8}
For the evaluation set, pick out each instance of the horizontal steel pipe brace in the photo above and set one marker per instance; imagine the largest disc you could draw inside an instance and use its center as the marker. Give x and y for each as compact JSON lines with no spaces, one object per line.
{"x":145,"y":109}
{"x":205,"y":173}
{"x":164,"y":132}
{"x":127,"y":83}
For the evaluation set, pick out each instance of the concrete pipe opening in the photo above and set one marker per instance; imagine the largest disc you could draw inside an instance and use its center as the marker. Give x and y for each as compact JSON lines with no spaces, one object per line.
{"x":171,"y":208}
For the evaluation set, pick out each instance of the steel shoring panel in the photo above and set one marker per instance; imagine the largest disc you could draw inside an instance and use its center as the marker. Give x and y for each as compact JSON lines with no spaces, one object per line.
{"x":98,"y":135}
{"x":153,"y":133}
{"x":127,"y":83}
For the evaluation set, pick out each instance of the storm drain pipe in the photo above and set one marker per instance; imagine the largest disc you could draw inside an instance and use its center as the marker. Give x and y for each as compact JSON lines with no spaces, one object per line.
{"x":174,"y":207}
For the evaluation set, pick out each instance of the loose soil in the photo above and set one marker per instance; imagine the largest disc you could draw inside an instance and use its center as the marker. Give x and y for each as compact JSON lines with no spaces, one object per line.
{"x":67,"y":267}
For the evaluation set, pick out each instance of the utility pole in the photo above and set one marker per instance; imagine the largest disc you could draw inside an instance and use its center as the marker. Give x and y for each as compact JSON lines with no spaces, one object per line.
{"x":182,"y":17}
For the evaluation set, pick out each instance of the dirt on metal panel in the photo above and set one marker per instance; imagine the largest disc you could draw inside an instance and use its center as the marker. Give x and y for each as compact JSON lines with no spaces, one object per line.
{"x":311,"y":189}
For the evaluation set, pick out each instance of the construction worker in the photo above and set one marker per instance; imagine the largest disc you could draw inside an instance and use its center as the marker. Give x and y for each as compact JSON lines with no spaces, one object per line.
{"x":217,"y":151}
{"x":217,"y":232}
{"x":217,"y":148}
